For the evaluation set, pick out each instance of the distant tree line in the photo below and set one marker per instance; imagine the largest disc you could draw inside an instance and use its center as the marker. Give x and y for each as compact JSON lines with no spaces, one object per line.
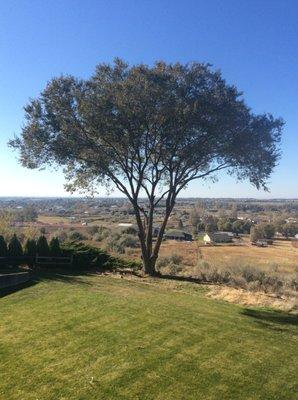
{"x":262,"y":231}
{"x":209,"y":223}
{"x":26,"y":214}
{"x":202,"y":222}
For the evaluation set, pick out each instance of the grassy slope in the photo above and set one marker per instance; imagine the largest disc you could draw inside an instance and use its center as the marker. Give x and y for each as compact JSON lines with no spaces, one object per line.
{"x":106,"y":338}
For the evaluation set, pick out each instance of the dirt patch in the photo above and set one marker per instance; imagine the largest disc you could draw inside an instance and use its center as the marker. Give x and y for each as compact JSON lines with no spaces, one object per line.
{"x":258,"y":299}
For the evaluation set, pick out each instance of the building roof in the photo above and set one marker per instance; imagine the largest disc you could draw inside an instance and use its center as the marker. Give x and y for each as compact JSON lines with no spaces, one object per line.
{"x":214,"y":235}
{"x":125,"y":224}
{"x":176,"y":233}
{"x":230,"y":234}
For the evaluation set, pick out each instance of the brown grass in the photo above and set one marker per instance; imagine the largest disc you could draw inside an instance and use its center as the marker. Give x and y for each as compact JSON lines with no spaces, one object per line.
{"x":49,"y":219}
{"x":252,"y":299}
{"x":281,"y":254}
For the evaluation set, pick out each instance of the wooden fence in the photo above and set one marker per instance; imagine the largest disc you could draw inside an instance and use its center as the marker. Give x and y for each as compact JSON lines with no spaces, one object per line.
{"x":37,"y":260}
{"x":43,"y":260}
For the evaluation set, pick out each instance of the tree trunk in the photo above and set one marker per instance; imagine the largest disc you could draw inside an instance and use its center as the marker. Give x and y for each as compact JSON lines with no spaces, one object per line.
{"x":149,"y":266}
{"x":150,"y":255}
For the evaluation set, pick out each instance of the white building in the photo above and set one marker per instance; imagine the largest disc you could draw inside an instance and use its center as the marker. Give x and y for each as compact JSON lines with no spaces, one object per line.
{"x":218,"y":237}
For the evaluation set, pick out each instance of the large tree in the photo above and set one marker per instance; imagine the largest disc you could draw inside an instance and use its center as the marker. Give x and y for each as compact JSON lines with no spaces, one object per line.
{"x":149,"y":131}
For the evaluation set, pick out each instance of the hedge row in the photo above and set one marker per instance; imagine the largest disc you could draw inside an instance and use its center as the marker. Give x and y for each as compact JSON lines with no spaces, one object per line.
{"x":83,"y":256}
{"x":32,"y":247}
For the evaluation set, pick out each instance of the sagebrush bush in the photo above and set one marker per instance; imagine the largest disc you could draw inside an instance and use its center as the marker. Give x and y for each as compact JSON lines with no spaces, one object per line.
{"x":130,"y":230}
{"x":76,"y":235}
{"x":101,"y":234}
{"x":128,"y":240}
{"x":247,"y":277}
{"x":118,"y":242}
{"x":105,"y":232}
{"x":170,"y":264}
{"x":97,"y":237}
{"x":61,"y":234}
{"x":130,"y":252}
{"x":92,"y":230}
{"x":112,"y":243}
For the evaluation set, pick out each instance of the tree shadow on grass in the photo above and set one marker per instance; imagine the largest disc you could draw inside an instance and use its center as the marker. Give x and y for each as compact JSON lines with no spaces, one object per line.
{"x":64,"y":275}
{"x":183,"y":279}
{"x":272,"y":319}
{"x":275,"y":320}
{"x":12,"y":289}
{"x":55,"y":274}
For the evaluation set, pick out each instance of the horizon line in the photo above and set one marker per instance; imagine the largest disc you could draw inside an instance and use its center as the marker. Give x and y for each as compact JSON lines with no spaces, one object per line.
{"x":123,"y":197}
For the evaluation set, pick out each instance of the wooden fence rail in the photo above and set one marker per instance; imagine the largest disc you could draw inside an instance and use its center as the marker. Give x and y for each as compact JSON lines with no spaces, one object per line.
{"x":37,"y":260}
{"x":43,"y":260}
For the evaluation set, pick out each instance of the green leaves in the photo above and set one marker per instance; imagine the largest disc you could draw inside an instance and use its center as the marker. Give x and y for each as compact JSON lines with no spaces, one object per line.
{"x":149,"y":131}
{"x":131,"y":122}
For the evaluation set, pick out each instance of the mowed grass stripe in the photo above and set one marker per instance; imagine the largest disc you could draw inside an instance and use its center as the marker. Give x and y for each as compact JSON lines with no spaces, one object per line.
{"x":99,"y":337}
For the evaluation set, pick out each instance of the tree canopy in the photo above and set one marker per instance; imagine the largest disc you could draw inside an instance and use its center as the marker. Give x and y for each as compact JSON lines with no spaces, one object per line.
{"x":149,"y":131}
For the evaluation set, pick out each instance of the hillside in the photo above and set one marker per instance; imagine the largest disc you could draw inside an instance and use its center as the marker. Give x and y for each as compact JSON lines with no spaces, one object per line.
{"x":102,"y":337}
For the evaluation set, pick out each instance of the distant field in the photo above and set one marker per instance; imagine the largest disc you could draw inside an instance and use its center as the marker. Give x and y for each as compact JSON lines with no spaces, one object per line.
{"x":101,"y":337}
{"x":281,"y":254}
{"x":92,"y":221}
{"x":49,"y":219}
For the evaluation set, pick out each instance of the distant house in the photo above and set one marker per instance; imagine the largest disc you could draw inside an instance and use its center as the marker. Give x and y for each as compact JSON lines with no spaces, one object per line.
{"x":155,"y":229}
{"x":175,"y":234}
{"x":260,"y":243}
{"x":125,"y":224}
{"x":291,"y":220}
{"x":296,"y":236}
{"x":218,"y":237}
{"x":230,"y":234}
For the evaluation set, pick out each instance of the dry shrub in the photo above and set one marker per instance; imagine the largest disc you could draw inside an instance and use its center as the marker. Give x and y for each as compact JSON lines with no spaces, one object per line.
{"x":131,"y":252}
{"x":248,"y":277}
{"x":171,"y":264}
{"x":118,"y":242}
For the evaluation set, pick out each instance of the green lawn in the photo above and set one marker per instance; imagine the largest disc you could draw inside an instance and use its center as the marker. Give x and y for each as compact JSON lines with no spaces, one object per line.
{"x":101,"y":337}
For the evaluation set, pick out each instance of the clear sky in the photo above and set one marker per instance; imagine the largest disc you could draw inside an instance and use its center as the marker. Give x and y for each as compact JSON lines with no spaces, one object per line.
{"x":253,"y":42}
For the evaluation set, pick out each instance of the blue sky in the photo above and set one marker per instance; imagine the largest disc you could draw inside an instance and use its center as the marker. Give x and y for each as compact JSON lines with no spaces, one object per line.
{"x":253,"y":42}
